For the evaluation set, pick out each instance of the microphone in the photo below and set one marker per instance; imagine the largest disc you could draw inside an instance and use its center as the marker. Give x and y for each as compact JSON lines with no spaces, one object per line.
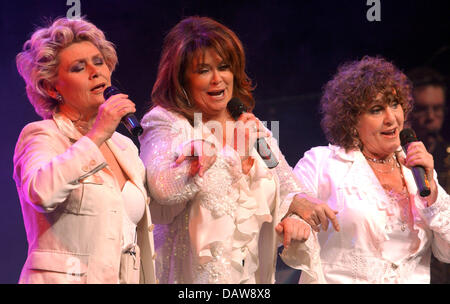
{"x":130,"y":121}
{"x":236,"y":108}
{"x":408,"y":136}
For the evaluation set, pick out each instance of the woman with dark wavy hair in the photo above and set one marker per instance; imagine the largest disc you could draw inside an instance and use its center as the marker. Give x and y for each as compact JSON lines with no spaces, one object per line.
{"x":387,"y":230}
{"x":219,"y":205}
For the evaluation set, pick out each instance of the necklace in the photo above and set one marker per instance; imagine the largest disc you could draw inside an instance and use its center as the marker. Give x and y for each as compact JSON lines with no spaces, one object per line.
{"x":379,"y":161}
{"x":383,"y":162}
{"x":81,"y":126}
{"x":401,"y":201}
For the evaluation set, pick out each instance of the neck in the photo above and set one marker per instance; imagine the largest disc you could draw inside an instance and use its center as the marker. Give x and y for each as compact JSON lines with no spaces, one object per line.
{"x":377,"y":156}
{"x":82,"y":121}
{"x":221,"y":118}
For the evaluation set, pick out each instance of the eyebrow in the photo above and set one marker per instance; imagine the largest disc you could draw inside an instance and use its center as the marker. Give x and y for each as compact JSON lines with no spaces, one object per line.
{"x":98,"y":55}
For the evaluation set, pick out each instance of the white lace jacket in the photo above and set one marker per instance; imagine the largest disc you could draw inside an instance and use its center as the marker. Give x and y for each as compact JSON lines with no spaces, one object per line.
{"x":211,"y":227}
{"x":354,"y":255}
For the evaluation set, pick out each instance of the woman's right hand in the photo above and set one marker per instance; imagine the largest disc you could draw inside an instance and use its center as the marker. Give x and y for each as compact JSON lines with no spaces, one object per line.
{"x":202,"y":155}
{"x":108,"y":117}
{"x":314,"y":212}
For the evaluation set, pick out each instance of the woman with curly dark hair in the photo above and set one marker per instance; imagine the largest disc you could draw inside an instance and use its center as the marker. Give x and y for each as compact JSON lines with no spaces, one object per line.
{"x":387,"y":229}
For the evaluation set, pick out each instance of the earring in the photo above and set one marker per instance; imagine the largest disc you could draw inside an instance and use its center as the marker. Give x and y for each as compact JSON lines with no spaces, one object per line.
{"x":59,"y":98}
{"x":187,"y":98}
{"x":356,"y":141}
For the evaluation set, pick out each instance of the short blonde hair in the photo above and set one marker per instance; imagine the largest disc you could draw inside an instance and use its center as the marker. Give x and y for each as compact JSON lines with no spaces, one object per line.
{"x":38,"y":62}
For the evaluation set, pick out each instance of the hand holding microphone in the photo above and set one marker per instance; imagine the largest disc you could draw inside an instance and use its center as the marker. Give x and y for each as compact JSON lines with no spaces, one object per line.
{"x":116,"y":108}
{"x":236,"y":108}
{"x":129,"y":120}
{"x":420,"y":161}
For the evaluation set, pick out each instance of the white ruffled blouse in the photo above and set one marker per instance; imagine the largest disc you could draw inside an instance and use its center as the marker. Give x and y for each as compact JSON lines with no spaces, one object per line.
{"x":218,"y":228}
{"x":373,"y":245}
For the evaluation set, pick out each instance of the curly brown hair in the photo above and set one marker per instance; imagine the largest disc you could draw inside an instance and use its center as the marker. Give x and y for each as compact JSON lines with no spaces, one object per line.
{"x":186,"y":40}
{"x":353,"y":89}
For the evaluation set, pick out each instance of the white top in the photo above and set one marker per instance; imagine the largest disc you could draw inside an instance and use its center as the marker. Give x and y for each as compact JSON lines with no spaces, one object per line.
{"x":371,"y":246}
{"x":219,"y":228}
{"x":402,"y":239}
{"x":134,"y":211}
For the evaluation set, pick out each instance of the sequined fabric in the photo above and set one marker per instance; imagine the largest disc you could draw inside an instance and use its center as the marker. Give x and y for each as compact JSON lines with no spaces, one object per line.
{"x":215,"y":238}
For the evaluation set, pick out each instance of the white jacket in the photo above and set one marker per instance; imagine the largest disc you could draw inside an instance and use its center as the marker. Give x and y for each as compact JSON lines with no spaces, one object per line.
{"x":347,"y":184}
{"x":218,"y":228}
{"x":72,"y":210}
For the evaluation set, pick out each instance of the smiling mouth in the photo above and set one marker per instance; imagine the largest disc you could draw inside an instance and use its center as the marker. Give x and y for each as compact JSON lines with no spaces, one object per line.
{"x":216,"y":93}
{"x":389,"y":133}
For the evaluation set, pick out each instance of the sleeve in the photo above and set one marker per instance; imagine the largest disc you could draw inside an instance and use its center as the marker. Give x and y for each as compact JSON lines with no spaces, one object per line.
{"x":306,"y":170}
{"x":168,"y":183}
{"x":437,"y":216}
{"x":44,"y":172}
{"x":290,"y":185}
{"x":306,"y":255}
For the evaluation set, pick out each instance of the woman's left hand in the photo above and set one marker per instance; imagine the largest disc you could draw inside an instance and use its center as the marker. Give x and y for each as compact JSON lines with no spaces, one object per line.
{"x":293,"y":229}
{"x":247,"y":130}
{"x":417,"y":155}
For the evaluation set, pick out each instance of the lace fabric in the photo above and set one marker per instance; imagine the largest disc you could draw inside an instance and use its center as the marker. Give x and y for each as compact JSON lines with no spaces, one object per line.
{"x":371,"y":246}
{"x":215,"y":238}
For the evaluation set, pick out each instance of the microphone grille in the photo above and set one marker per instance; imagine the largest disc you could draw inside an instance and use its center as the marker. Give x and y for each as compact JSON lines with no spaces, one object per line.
{"x":236,"y":107}
{"x":110,"y":91}
{"x":407,"y":136}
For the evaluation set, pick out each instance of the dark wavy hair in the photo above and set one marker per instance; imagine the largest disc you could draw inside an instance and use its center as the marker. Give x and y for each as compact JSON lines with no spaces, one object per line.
{"x":186,"y":40}
{"x":353,"y":89}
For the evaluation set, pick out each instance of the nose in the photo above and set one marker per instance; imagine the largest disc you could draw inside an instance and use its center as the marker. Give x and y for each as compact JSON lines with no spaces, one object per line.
{"x":93,"y":70}
{"x":216,"y":77}
{"x":389,"y":116}
{"x":430,"y":112}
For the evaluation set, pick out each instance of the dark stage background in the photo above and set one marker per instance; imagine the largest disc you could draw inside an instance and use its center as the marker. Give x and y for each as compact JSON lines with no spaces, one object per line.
{"x":292,"y":49}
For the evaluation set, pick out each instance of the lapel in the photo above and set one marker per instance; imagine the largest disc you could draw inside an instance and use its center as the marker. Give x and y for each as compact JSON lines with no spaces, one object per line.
{"x":362,"y":180}
{"x":65,"y":125}
{"x":125,"y":158}
{"x":361,"y":183}
{"x":117,"y":145}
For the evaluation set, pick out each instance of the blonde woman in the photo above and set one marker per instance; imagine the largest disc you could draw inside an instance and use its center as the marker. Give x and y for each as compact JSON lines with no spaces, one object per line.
{"x":81,"y":184}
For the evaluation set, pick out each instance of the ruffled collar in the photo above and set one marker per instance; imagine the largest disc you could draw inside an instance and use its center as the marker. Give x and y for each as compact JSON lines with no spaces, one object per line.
{"x":362,"y":182}
{"x":252,"y":211}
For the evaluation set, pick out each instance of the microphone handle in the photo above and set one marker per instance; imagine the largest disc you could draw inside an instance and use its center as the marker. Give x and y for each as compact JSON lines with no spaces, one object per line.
{"x":130,"y":121}
{"x":420,"y":177}
{"x":421,"y":180}
{"x":266,"y":153}
{"x":132,"y":124}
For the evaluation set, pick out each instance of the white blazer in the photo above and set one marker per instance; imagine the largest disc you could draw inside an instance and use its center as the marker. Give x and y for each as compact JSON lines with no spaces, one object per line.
{"x":73,"y":209}
{"x":218,"y":228}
